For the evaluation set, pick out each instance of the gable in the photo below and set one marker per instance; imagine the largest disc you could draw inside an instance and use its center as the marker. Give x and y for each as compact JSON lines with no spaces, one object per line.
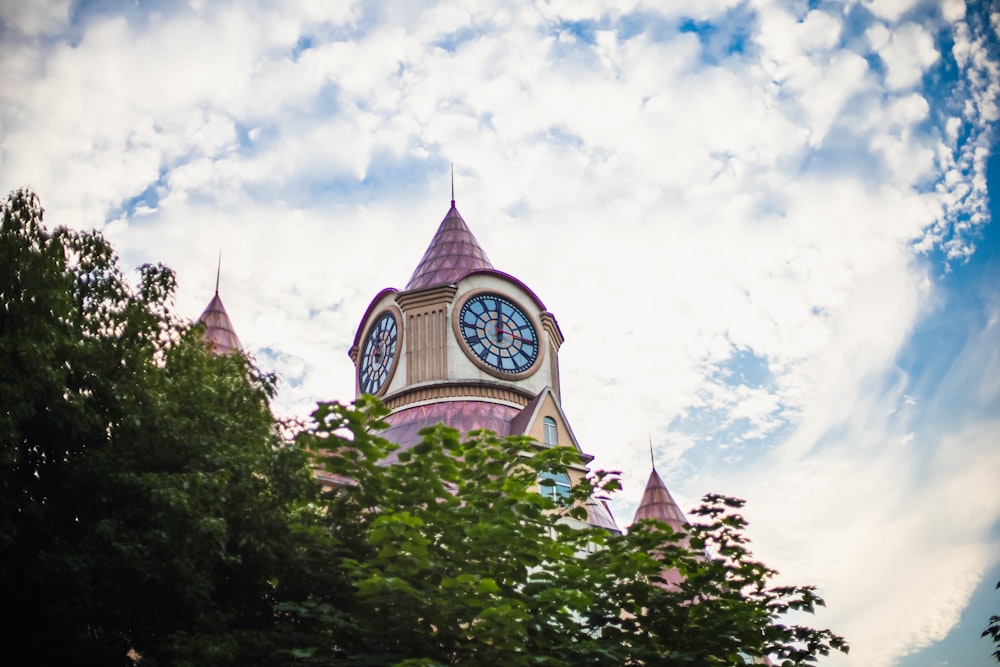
{"x":531,"y":421}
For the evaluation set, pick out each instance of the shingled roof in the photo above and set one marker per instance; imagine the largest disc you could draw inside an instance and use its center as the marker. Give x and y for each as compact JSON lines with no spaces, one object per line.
{"x":453,"y":253}
{"x":219,"y":331}
{"x":657,"y":504}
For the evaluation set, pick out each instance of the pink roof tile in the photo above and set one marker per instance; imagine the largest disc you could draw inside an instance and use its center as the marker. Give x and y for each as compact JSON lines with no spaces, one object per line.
{"x":657,"y":504}
{"x":453,"y":253}
{"x":219,"y":331}
{"x":404,"y":426}
{"x":599,"y":514}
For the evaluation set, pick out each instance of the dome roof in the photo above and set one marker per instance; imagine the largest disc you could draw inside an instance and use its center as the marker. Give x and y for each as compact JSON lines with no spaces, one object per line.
{"x":405,"y":425}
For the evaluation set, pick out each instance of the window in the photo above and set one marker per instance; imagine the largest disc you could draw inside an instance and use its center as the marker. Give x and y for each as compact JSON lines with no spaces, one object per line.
{"x":555,"y":485}
{"x":550,"y":432}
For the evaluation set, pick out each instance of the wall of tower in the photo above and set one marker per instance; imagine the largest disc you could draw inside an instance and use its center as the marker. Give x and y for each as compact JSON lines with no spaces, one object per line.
{"x":425,"y":335}
{"x":430,"y":351}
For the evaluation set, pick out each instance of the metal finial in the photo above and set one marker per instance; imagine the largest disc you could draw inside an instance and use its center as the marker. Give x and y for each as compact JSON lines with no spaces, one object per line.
{"x":452,"y":183}
{"x":652,"y":461}
{"x":218,"y":273}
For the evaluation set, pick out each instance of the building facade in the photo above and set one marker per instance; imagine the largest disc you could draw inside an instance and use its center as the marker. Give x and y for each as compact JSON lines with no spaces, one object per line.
{"x":471,"y":346}
{"x":468,"y":345}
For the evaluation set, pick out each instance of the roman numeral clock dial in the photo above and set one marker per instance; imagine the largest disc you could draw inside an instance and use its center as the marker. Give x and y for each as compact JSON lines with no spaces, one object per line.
{"x":498,"y":333}
{"x":378,"y":355}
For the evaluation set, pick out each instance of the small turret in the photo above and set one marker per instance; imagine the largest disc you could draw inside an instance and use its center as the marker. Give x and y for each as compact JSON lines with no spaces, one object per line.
{"x":658,"y":505}
{"x":219,"y":332}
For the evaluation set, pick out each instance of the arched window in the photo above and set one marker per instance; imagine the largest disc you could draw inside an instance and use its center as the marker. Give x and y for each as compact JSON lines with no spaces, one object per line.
{"x":550,"y":434}
{"x":555,"y":485}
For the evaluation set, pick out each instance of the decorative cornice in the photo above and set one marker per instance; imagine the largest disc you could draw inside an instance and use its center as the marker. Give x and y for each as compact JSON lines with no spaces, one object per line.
{"x":490,"y":391}
{"x":583,"y":460}
{"x":426,"y":297}
{"x":552,"y":327}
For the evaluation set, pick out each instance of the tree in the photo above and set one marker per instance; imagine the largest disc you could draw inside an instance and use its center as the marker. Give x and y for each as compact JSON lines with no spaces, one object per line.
{"x":150,"y":512}
{"x":725,"y":609}
{"x":452,"y":556}
{"x":147,"y":503}
{"x":993,"y":632}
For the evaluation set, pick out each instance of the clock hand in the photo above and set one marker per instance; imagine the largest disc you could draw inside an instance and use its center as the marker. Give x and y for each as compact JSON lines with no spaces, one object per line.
{"x":497,"y":325}
{"x":516,"y":337}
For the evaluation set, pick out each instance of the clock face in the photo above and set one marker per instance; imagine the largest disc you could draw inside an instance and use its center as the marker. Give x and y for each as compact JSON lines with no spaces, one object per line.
{"x":498,"y":333}
{"x":378,"y":354}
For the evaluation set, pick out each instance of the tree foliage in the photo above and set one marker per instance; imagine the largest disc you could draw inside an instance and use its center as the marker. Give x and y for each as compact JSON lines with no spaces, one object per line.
{"x":453,"y":556}
{"x":993,"y":632}
{"x":151,"y":513}
{"x":145,"y":500}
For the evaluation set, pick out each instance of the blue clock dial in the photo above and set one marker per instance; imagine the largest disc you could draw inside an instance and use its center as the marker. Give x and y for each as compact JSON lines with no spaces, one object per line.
{"x":378,"y":354}
{"x":498,"y":333}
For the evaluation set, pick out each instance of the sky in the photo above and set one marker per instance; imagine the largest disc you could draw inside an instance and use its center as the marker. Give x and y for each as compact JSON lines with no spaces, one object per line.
{"x":765,"y":229}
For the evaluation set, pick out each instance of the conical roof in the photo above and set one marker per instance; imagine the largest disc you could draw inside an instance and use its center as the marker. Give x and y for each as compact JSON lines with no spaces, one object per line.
{"x":657,"y":504}
{"x":453,"y":253}
{"x":219,"y":331}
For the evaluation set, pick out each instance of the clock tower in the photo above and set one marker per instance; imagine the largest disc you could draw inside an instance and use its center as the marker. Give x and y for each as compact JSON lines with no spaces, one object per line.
{"x":470,"y":346}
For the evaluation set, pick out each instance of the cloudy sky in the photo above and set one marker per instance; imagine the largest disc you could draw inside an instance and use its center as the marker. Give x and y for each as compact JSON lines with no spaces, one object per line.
{"x":763,"y":226}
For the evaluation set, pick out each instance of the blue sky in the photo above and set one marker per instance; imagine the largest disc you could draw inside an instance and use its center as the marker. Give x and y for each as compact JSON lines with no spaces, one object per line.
{"x":972,"y":299}
{"x":765,"y":227}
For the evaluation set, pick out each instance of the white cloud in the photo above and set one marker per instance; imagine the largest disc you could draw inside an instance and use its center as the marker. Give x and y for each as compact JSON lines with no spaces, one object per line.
{"x":40,"y":17}
{"x":953,"y":10}
{"x":907,"y":51}
{"x":683,"y":207}
{"x":891,"y":10}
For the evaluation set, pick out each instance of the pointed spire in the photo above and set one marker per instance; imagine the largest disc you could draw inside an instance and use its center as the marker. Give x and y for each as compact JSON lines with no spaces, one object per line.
{"x":657,"y":504}
{"x":219,"y":332}
{"x":453,"y":185}
{"x":453,"y":253}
